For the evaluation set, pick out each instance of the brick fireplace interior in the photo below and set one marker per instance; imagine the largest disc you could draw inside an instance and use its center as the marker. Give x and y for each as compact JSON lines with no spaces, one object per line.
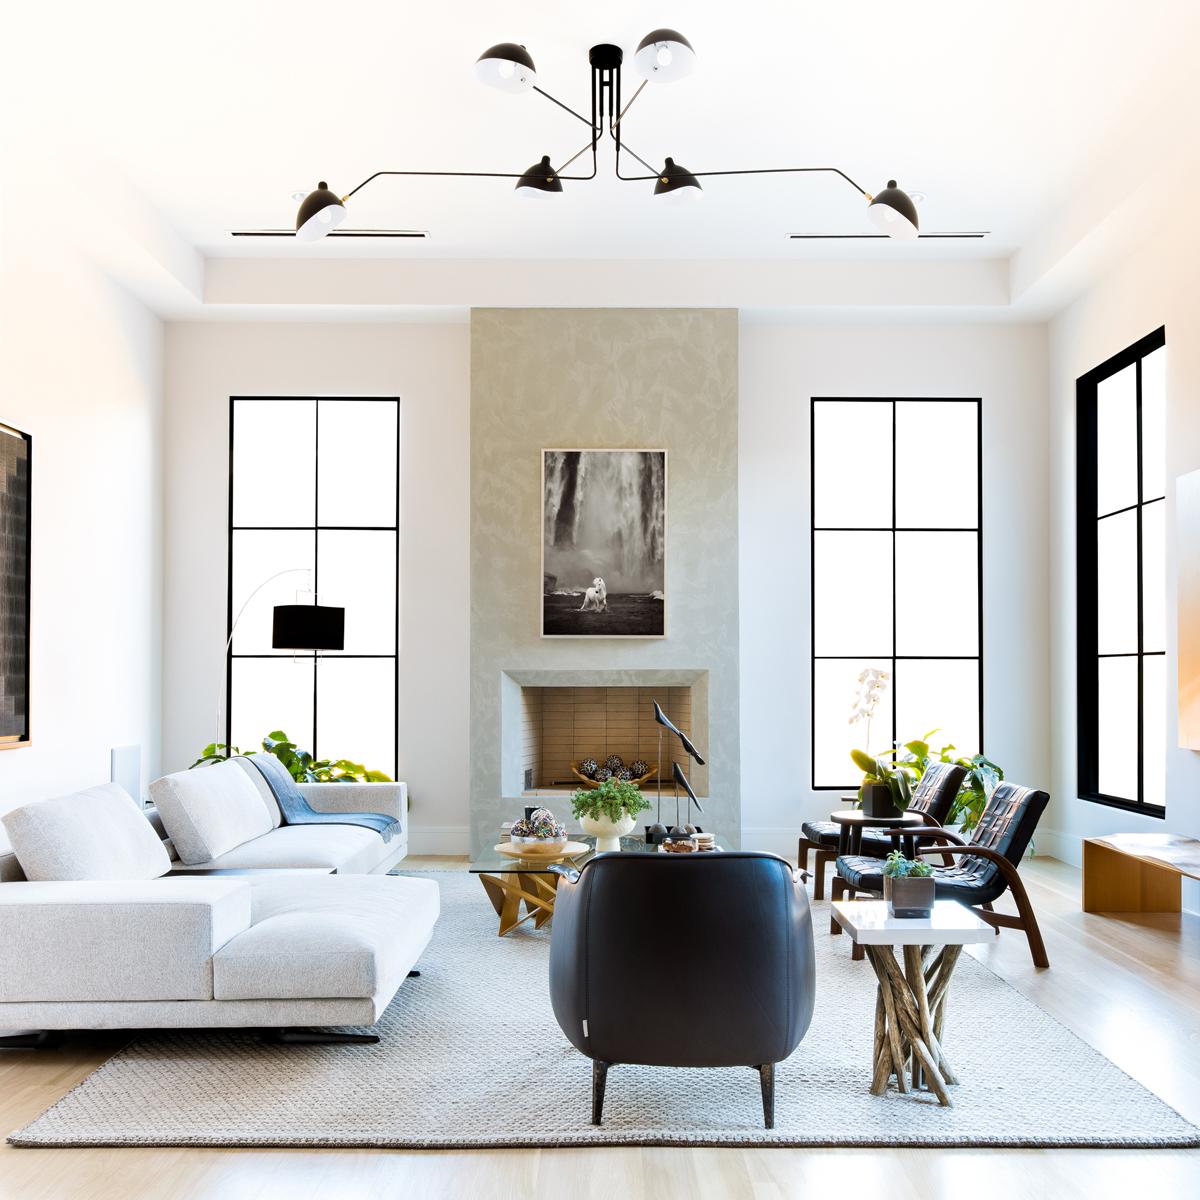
{"x":561,"y":725}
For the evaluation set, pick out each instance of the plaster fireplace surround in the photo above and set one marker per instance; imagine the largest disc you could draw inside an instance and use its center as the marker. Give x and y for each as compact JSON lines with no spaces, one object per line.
{"x":597,"y":379}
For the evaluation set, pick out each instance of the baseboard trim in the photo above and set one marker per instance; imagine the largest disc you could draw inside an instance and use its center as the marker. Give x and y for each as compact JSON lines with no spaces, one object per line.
{"x":439,"y":839}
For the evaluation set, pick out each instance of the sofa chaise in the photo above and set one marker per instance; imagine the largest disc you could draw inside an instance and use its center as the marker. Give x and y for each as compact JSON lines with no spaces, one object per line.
{"x":97,"y":931}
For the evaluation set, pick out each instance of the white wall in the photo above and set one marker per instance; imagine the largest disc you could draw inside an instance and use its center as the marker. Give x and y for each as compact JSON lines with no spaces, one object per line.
{"x":81,"y":370}
{"x":1154,"y":286}
{"x":426,"y":365}
{"x":782,"y":366}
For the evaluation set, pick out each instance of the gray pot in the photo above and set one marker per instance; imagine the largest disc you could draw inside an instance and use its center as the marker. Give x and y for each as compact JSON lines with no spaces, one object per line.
{"x":877,"y":800}
{"x":909,"y":896}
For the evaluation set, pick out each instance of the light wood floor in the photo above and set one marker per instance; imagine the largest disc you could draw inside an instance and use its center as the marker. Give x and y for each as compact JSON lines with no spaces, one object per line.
{"x":1129,"y":986}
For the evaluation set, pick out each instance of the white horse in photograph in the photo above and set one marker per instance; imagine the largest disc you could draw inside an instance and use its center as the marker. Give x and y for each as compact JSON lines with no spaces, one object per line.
{"x":595,"y":599}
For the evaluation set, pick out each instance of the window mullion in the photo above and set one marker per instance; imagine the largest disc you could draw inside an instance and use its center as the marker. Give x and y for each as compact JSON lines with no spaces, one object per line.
{"x":1141,"y":698}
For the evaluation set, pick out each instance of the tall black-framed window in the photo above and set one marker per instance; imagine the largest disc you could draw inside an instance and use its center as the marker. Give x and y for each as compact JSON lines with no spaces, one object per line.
{"x":897,"y":573}
{"x":1121,"y":584}
{"x":314,"y":493}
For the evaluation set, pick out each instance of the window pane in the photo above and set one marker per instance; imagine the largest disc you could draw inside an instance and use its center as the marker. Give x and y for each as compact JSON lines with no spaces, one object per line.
{"x":257,"y":555}
{"x":1116,"y":441}
{"x":357,"y":462}
{"x":1116,"y":592}
{"x":937,"y":467}
{"x":852,"y":463}
{"x":939,"y":695}
{"x":852,"y":574}
{"x":1154,"y":728}
{"x":937,"y":593}
{"x":1154,"y":424}
{"x":271,"y":694}
{"x":1154,"y":576}
{"x":274,"y":462}
{"x":835,"y":686}
{"x":358,"y":572}
{"x":356,"y":715}
{"x":1118,"y":721}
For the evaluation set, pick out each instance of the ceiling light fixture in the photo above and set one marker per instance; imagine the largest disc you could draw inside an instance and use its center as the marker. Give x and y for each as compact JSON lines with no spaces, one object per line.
{"x":662,"y":56}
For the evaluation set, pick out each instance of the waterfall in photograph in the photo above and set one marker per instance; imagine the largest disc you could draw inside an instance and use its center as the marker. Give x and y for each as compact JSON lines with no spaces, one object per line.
{"x":604,"y":542}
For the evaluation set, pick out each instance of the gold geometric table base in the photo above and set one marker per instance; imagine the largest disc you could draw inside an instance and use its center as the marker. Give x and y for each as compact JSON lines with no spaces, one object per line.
{"x":910,"y":1014}
{"x":507,"y":891}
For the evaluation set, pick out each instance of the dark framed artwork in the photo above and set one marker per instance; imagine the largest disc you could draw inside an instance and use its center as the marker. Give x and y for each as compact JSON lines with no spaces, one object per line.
{"x":15,"y":505}
{"x":604,"y":543}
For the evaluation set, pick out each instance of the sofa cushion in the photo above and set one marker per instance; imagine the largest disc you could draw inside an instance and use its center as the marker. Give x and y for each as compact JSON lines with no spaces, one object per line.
{"x":116,"y":940}
{"x":99,"y":833}
{"x":344,"y":848}
{"x":210,"y":810}
{"x":262,"y":787}
{"x":327,"y":936}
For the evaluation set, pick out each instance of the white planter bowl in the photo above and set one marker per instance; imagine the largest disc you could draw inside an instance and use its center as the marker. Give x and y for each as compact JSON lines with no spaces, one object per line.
{"x":608,"y":834}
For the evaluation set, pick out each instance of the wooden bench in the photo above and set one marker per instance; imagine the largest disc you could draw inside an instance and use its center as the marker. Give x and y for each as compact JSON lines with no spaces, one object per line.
{"x":1137,"y":872}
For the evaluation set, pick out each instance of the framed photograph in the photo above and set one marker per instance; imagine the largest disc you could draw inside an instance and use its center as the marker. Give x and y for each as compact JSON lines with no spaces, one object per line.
{"x":604,"y":543}
{"x":15,"y":503}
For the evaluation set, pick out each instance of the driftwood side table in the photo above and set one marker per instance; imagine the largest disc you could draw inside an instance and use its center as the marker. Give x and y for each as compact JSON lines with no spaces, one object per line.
{"x":910,"y":1004}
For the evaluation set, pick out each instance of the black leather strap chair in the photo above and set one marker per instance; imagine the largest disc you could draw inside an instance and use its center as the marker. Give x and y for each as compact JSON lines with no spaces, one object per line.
{"x":932,"y":799}
{"x":700,"y":960}
{"x":985,"y":869}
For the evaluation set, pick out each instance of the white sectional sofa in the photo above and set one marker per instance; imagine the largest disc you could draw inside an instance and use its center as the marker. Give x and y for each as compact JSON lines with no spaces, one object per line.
{"x":98,"y":931}
{"x":224,"y":817}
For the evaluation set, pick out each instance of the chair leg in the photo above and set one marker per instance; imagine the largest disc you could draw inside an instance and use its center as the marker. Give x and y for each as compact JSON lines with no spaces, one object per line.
{"x":599,"y":1078}
{"x":1033,"y":934}
{"x":837,"y":892}
{"x":766,"y":1077}
{"x":802,"y":854}
{"x":824,"y":858}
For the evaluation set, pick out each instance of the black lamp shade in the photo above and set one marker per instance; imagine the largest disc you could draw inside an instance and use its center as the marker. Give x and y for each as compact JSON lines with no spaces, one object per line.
{"x":675,"y":179}
{"x":308,"y":627}
{"x":319,"y":212}
{"x":894,"y":212}
{"x":541,"y":177}
{"x":506,"y":66}
{"x":664,"y":55}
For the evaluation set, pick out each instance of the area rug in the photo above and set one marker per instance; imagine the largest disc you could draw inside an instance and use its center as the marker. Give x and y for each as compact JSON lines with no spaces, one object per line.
{"x":471,"y":1056}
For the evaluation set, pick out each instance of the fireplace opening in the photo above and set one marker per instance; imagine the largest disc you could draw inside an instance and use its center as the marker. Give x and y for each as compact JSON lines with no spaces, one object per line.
{"x":565,"y":725}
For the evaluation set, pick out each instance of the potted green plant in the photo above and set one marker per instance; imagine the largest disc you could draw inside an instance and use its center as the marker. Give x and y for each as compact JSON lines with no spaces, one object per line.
{"x":982,"y":776}
{"x":609,"y":812}
{"x":908,"y":886}
{"x":886,"y":786}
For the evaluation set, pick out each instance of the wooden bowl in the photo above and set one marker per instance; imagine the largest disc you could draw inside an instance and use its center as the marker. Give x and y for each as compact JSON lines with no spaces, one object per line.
{"x":595,"y":783}
{"x":549,"y":853}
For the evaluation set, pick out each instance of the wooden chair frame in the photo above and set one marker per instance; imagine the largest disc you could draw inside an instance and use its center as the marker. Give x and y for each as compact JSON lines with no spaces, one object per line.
{"x":953,"y":845}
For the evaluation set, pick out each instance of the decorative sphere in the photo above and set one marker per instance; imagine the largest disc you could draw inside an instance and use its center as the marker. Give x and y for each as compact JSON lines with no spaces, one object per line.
{"x":601,"y":774}
{"x":639,"y":767}
{"x":657,"y":830}
{"x":588,"y":767}
{"x":614,"y":762}
{"x":625,"y":774}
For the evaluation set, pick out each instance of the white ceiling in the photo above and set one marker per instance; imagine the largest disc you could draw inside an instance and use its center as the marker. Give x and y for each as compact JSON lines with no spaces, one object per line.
{"x":218,"y":112}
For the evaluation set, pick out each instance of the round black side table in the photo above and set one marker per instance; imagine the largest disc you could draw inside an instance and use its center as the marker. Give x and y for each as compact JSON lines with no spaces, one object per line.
{"x":852,"y":821}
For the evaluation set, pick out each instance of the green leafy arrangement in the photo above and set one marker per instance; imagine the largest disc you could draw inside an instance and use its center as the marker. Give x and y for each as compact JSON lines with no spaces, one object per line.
{"x":612,"y":800}
{"x":977,"y":787}
{"x":301,"y":765}
{"x":899,"y":867}
{"x":897,"y":776}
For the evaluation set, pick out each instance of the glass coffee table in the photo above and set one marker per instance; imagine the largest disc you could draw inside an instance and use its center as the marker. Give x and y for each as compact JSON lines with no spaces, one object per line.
{"x":511,"y":883}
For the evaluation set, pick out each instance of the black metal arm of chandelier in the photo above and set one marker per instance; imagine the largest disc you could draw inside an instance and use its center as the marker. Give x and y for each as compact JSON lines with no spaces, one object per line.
{"x":663,"y":55}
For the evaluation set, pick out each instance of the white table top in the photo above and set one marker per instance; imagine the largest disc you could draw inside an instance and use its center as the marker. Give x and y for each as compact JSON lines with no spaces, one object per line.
{"x":952,"y":924}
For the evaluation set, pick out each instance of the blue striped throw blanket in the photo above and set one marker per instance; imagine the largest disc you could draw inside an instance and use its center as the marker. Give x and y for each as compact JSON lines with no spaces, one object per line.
{"x":297,"y":811}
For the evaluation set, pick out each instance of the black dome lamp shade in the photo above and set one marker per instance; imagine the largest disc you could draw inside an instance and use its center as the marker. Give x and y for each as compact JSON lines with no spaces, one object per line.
{"x":507,"y":67}
{"x":319,"y":212}
{"x":894,"y":212}
{"x":664,"y":55}
{"x":677,"y":182}
{"x":540,"y":179}
{"x":308,"y":627}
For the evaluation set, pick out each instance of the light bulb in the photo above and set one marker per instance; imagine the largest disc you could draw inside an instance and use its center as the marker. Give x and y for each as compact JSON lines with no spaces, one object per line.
{"x":505,"y":69}
{"x":664,"y":56}
{"x":325,"y":216}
